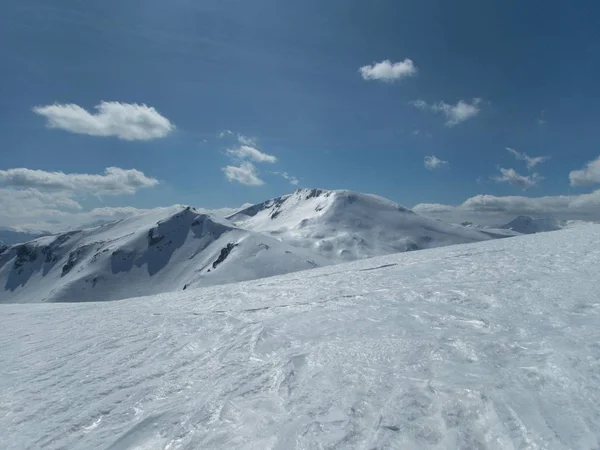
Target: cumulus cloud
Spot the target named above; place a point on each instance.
(531, 162)
(433, 162)
(114, 180)
(248, 152)
(243, 153)
(486, 209)
(590, 174)
(52, 199)
(23, 202)
(124, 120)
(36, 210)
(245, 174)
(455, 114)
(511, 176)
(388, 71)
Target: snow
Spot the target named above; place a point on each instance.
(345, 225)
(492, 345)
(163, 250)
(176, 248)
(529, 225)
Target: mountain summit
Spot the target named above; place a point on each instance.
(167, 249)
(529, 225)
(344, 225)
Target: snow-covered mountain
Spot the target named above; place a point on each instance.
(487, 346)
(529, 225)
(497, 232)
(344, 225)
(167, 249)
(170, 249)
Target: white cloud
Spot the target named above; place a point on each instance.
(432, 208)
(541, 120)
(244, 174)
(246, 140)
(242, 139)
(247, 152)
(490, 209)
(432, 162)
(52, 199)
(420, 104)
(225, 133)
(388, 71)
(114, 180)
(455, 114)
(124, 120)
(531, 162)
(51, 211)
(22, 202)
(511, 176)
(292, 179)
(590, 174)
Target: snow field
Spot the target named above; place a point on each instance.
(492, 345)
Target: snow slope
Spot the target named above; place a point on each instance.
(529, 225)
(496, 232)
(493, 345)
(170, 249)
(167, 249)
(346, 225)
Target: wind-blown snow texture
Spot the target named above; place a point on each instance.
(493, 345)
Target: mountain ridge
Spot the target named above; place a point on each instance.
(181, 247)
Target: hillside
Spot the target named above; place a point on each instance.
(346, 225)
(167, 249)
(170, 249)
(490, 346)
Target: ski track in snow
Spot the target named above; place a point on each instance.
(493, 345)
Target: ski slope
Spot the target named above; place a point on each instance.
(493, 345)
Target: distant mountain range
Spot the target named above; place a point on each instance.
(176, 248)
(9, 236)
(529, 225)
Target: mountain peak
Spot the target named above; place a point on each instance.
(528, 225)
(344, 225)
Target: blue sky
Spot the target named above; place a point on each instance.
(250, 100)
